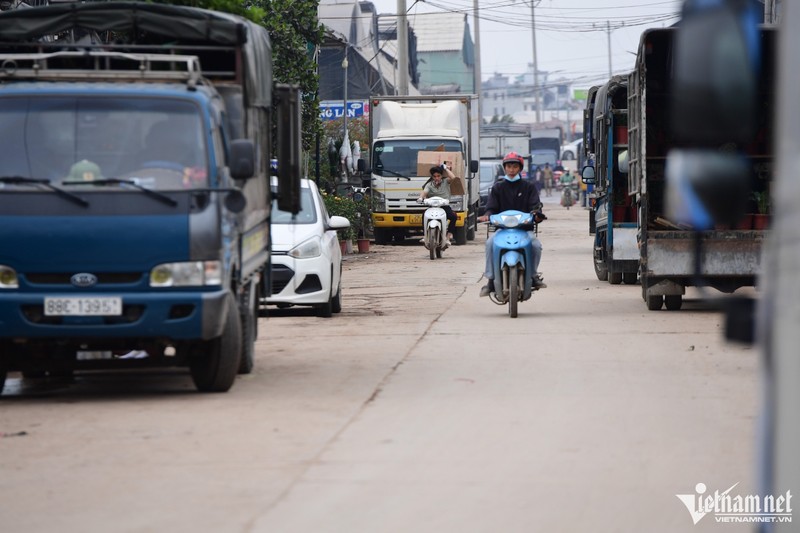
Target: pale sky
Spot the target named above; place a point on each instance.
(571, 36)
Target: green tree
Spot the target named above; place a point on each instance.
(295, 32)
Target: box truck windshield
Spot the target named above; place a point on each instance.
(399, 158)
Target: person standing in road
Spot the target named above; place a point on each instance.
(511, 192)
(547, 175)
(439, 185)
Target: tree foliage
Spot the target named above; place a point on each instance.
(295, 32)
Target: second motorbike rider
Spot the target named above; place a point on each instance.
(509, 193)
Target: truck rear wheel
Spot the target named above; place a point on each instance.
(471, 232)
(673, 302)
(461, 235)
(3, 372)
(629, 278)
(615, 278)
(654, 302)
(215, 365)
(249, 316)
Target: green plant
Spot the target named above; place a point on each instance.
(762, 201)
(343, 206)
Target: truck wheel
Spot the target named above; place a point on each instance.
(513, 291)
(600, 270)
(615, 278)
(629, 278)
(3, 372)
(381, 236)
(654, 302)
(471, 232)
(673, 302)
(461, 235)
(215, 364)
(249, 316)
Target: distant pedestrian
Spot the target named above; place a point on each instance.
(547, 175)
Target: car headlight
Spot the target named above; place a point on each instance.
(8, 278)
(307, 249)
(186, 274)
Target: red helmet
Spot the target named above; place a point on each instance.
(514, 157)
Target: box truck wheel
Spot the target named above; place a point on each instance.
(3, 371)
(215, 364)
(381, 235)
(461, 234)
(248, 309)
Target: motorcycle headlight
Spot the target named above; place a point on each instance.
(511, 221)
(186, 274)
(307, 249)
(8, 278)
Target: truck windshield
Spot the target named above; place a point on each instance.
(399, 158)
(540, 158)
(156, 143)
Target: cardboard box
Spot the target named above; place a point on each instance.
(455, 162)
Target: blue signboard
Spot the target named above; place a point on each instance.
(331, 110)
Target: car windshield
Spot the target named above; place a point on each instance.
(157, 143)
(399, 158)
(307, 214)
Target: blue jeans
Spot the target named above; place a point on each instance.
(537, 255)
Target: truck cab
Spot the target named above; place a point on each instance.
(134, 193)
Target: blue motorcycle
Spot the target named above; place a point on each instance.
(512, 253)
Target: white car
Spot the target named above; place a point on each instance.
(306, 255)
(571, 150)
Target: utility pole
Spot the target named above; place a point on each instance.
(535, 64)
(608, 31)
(477, 65)
(402, 49)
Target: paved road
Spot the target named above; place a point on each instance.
(422, 407)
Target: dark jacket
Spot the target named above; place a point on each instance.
(520, 195)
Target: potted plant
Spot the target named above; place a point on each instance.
(761, 219)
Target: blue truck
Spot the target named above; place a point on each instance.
(135, 145)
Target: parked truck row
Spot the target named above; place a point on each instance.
(627, 140)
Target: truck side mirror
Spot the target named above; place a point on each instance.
(290, 142)
(242, 159)
(587, 175)
(361, 165)
(622, 162)
(474, 166)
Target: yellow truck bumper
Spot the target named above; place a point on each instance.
(406, 220)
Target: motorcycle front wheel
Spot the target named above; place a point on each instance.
(513, 290)
(433, 238)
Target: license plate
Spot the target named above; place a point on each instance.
(83, 306)
(415, 219)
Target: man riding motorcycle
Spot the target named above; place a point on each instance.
(509, 193)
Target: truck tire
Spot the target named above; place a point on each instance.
(381, 235)
(673, 302)
(249, 316)
(615, 278)
(629, 278)
(600, 270)
(461, 235)
(215, 365)
(654, 302)
(3, 372)
(471, 230)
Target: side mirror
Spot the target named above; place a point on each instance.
(235, 201)
(622, 161)
(474, 166)
(361, 165)
(338, 222)
(290, 143)
(587, 175)
(242, 159)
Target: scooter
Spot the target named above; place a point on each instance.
(434, 223)
(512, 254)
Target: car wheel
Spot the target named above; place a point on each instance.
(326, 310)
(337, 300)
